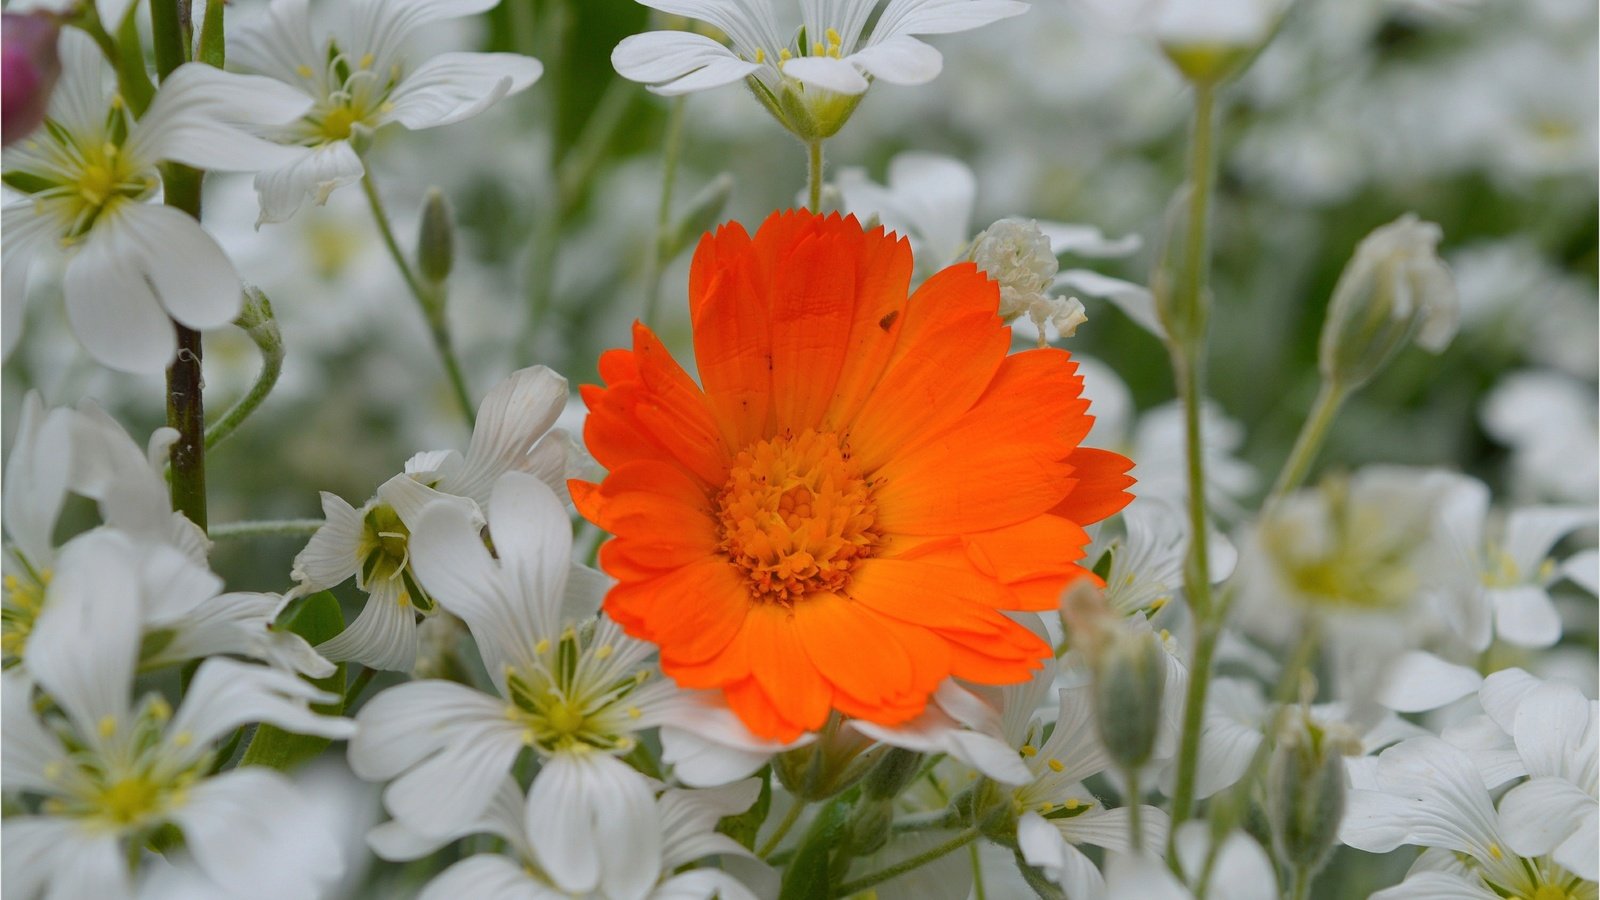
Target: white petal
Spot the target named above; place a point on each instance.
(1583, 569)
(703, 884)
(36, 478)
(1525, 617)
(689, 821)
(1087, 240)
(113, 311)
(1502, 694)
(29, 750)
(85, 643)
(61, 860)
(454, 86)
(1142, 876)
(899, 60)
(173, 586)
(484, 877)
(1436, 886)
(827, 73)
(202, 293)
(1554, 733)
(243, 825)
(1136, 302)
(226, 693)
(383, 635)
(511, 419)
(942, 16)
(278, 43)
(404, 724)
(935, 732)
(1040, 843)
(584, 805)
(661, 57)
(1420, 681)
(1112, 829)
(1226, 749)
(200, 117)
(1426, 792)
(333, 553)
(1577, 852)
(317, 174)
(27, 234)
(707, 745)
(1531, 532)
(533, 537)
(395, 841)
(1538, 815)
(452, 788)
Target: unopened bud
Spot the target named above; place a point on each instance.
(436, 238)
(869, 826)
(1130, 679)
(1394, 290)
(256, 318)
(1306, 790)
(1177, 283)
(823, 768)
(893, 773)
(30, 69)
(1210, 41)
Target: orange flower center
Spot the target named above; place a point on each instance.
(796, 516)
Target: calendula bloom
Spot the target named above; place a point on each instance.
(811, 78)
(88, 176)
(362, 77)
(837, 518)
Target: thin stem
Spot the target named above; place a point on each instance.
(789, 818)
(978, 892)
(906, 865)
(358, 686)
(939, 820)
(1302, 883)
(669, 172)
(1188, 357)
(429, 301)
(187, 414)
(1135, 808)
(266, 528)
(271, 368)
(1313, 433)
(814, 175)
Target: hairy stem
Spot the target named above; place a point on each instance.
(429, 301)
(814, 174)
(669, 174)
(906, 865)
(784, 825)
(271, 368)
(1330, 397)
(266, 528)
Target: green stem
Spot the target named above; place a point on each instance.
(1302, 883)
(133, 82)
(1188, 358)
(169, 28)
(266, 528)
(186, 413)
(814, 174)
(940, 820)
(669, 173)
(1135, 809)
(784, 825)
(907, 865)
(359, 686)
(271, 368)
(1313, 433)
(429, 301)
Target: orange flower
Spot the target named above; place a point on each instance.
(837, 518)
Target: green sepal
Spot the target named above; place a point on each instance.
(317, 619)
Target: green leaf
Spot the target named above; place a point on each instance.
(317, 619)
(817, 866)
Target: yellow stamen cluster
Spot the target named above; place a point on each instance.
(796, 516)
(24, 600)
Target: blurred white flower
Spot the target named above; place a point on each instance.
(573, 687)
(686, 821)
(88, 175)
(707, 745)
(1504, 572)
(360, 77)
(373, 543)
(811, 81)
(1495, 280)
(113, 773)
(1426, 792)
(1548, 419)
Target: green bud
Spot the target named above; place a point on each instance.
(869, 826)
(1209, 41)
(1181, 305)
(256, 319)
(1394, 290)
(1306, 791)
(894, 772)
(836, 760)
(1130, 678)
(436, 238)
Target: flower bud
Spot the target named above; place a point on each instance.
(823, 768)
(30, 68)
(1394, 290)
(1210, 41)
(1181, 306)
(1130, 677)
(1306, 790)
(869, 826)
(436, 238)
(893, 773)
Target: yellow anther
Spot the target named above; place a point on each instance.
(784, 55)
(603, 651)
(1072, 803)
(761, 55)
(833, 37)
(818, 50)
(634, 713)
(1055, 765)
(303, 70)
(366, 61)
(183, 738)
(160, 709)
(52, 770)
(1029, 750)
(542, 647)
(107, 726)
(1046, 806)
(1165, 635)
(1494, 851)
(1158, 603)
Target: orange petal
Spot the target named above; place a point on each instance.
(800, 693)
(812, 304)
(883, 278)
(692, 613)
(847, 644)
(733, 351)
(1101, 486)
(758, 712)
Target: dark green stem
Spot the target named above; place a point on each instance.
(669, 171)
(907, 865)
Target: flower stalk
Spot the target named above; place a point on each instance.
(266, 528)
(906, 865)
(671, 150)
(814, 175)
(429, 300)
(258, 323)
(1313, 433)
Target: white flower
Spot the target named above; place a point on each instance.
(685, 819)
(572, 687)
(372, 543)
(1241, 870)
(812, 78)
(361, 77)
(111, 773)
(1552, 728)
(1504, 574)
(1017, 254)
(90, 173)
(1547, 418)
(1426, 792)
(707, 745)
